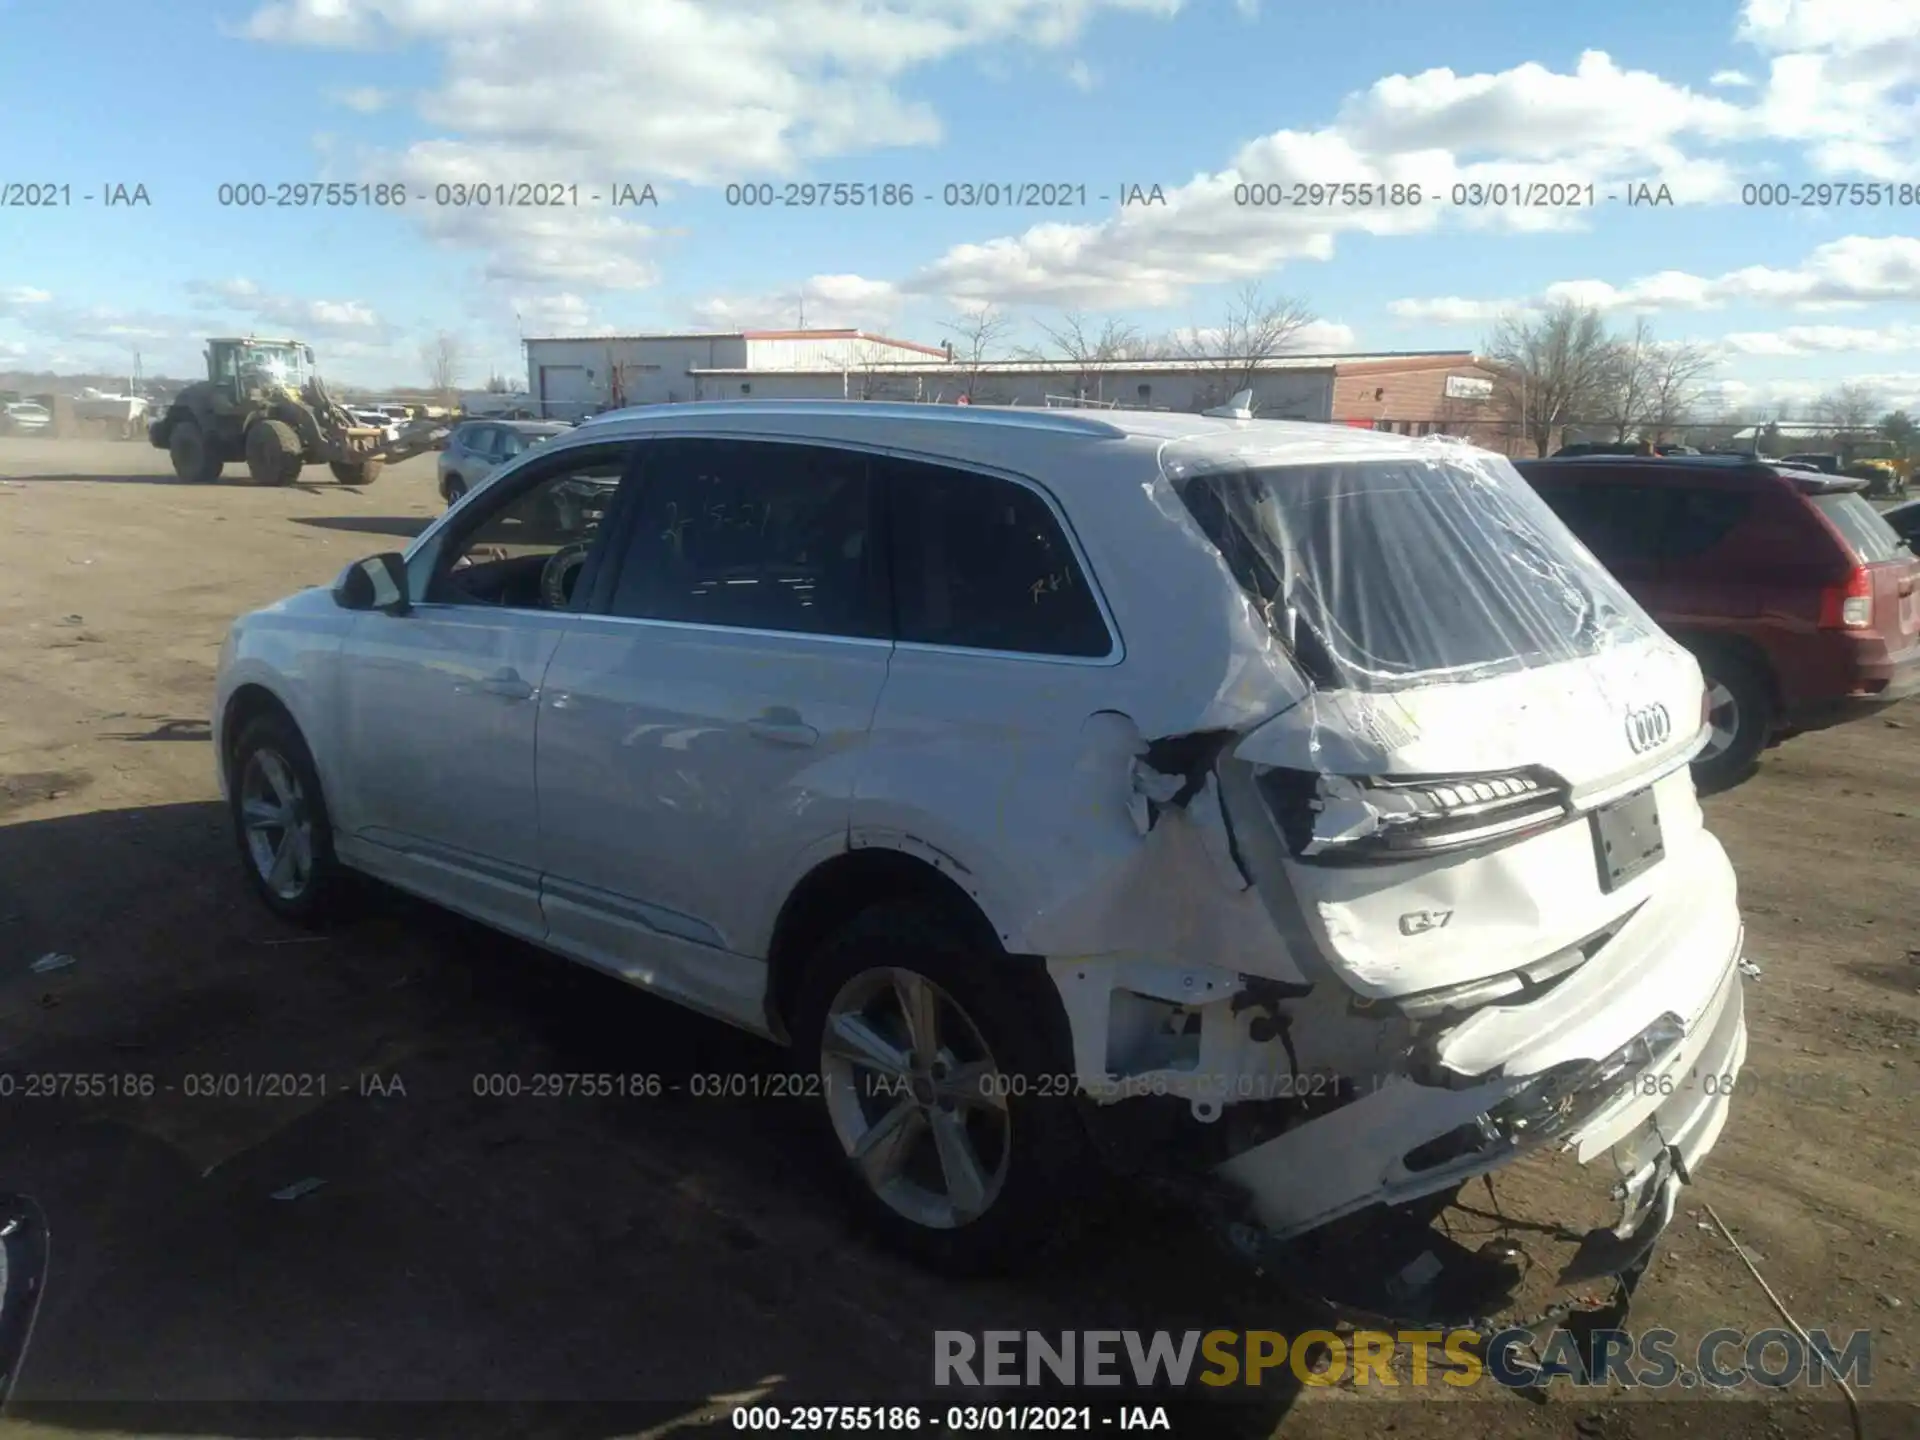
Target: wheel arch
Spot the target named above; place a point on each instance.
(838, 889)
(1740, 649)
(248, 702)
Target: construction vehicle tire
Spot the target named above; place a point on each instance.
(273, 453)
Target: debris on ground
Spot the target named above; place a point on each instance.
(1749, 969)
(52, 960)
(299, 1188)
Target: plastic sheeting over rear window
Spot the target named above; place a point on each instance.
(1381, 573)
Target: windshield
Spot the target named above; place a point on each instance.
(281, 362)
(1870, 538)
(1387, 573)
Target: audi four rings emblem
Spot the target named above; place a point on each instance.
(1648, 727)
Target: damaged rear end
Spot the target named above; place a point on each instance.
(1447, 902)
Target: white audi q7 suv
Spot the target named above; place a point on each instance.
(1296, 810)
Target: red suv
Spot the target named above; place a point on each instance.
(1795, 595)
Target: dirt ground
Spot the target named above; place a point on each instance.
(468, 1261)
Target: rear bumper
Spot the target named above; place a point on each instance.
(1632, 1059)
(1876, 684)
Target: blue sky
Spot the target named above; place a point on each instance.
(1196, 96)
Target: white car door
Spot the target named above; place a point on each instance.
(699, 739)
(439, 704)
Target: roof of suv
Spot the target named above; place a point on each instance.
(1680, 467)
(1277, 440)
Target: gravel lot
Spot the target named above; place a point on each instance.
(673, 1250)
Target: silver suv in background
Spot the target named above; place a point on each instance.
(479, 447)
(1297, 815)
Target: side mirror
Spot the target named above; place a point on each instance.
(376, 583)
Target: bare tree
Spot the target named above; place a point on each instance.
(978, 336)
(1657, 384)
(444, 360)
(1074, 340)
(1554, 369)
(874, 371)
(1257, 328)
(1848, 407)
(1621, 399)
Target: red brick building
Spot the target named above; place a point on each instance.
(1447, 393)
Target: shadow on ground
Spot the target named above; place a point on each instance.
(237, 480)
(482, 1256)
(405, 526)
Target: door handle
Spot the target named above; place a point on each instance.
(507, 684)
(783, 732)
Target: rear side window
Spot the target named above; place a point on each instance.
(755, 534)
(1869, 537)
(982, 563)
(1619, 523)
(1699, 519)
(1625, 523)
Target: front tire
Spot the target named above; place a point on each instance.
(273, 453)
(947, 1091)
(454, 489)
(281, 824)
(1740, 717)
(193, 459)
(356, 472)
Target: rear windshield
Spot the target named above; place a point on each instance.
(1869, 537)
(1390, 573)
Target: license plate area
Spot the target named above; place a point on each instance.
(1626, 839)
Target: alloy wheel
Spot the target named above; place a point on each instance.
(1723, 720)
(278, 823)
(916, 1098)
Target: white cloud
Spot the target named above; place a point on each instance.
(1431, 130)
(1842, 76)
(829, 301)
(1825, 340)
(561, 314)
(1451, 310)
(699, 91)
(1080, 75)
(340, 318)
(704, 91)
(1840, 275)
(17, 298)
(1893, 390)
(365, 99)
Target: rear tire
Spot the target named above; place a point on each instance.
(1740, 712)
(273, 453)
(455, 488)
(356, 472)
(972, 1147)
(193, 459)
(281, 824)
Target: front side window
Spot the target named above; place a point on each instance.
(758, 535)
(528, 547)
(1388, 573)
(982, 564)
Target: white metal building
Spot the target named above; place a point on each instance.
(571, 377)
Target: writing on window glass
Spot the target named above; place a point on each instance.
(740, 517)
(1047, 584)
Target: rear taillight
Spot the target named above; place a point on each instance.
(1334, 819)
(1848, 606)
